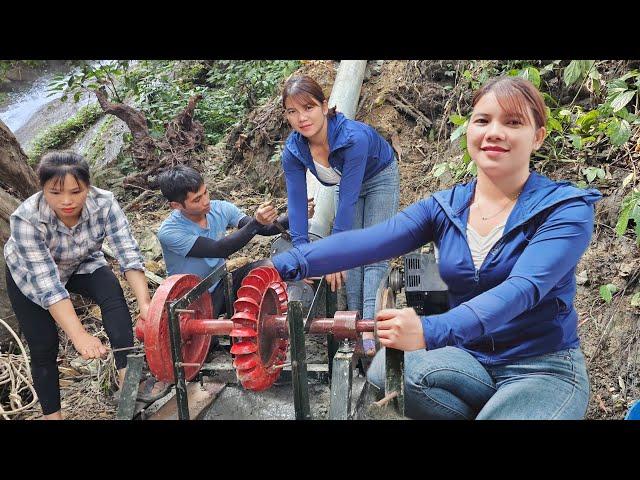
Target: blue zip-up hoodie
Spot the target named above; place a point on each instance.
(518, 304)
(356, 150)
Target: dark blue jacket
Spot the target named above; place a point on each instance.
(356, 150)
(519, 303)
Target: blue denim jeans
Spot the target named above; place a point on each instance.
(450, 384)
(378, 201)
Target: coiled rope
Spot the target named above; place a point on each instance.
(15, 372)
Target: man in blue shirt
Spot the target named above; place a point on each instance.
(193, 237)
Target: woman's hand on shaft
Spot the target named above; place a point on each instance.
(400, 329)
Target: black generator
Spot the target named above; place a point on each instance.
(425, 291)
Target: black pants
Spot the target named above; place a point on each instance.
(40, 329)
(218, 296)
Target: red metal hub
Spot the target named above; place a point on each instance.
(155, 329)
(258, 352)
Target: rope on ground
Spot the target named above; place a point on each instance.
(15, 372)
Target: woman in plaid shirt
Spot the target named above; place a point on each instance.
(54, 248)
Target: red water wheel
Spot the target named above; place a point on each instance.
(155, 329)
(258, 351)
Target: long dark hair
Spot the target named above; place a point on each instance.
(58, 164)
(303, 89)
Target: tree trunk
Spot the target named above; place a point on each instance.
(14, 167)
(144, 147)
(183, 137)
(19, 176)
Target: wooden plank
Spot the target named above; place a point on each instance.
(199, 399)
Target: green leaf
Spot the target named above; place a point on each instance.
(547, 68)
(632, 73)
(553, 124)
(457, 119)
(617, 86)
(629, 204)
(472, 168)
(607, 291)
(576, 140)
(586, 120)
(622, 99)
(549, 99)
(635, 300)
(572, 72)
(533, 75)
(587, 66)
(627, 179)
(439, 169)
(618, 131)
(458, 132)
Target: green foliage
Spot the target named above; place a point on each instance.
(162, 88)
(599, 128)
(89, 76)
(635, 300)
(60, 134)
(228, 88)
(277, 154)
(579, 70)
(630, 211)
(592, 172)
(7, 65)
(607, 291)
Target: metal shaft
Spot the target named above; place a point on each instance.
(276, 327)
(329, 326)
(207, 326)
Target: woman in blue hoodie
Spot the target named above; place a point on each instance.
(509, 244)
(350, 155)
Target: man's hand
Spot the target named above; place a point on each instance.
(266, 213)
(400, 329)
(311, 207)
(336, 280)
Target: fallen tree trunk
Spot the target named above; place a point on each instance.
(183, 137)
(15, 170)
(144, 147)
(16, 174)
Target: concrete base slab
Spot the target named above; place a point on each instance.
(276, 403)
(199, 397)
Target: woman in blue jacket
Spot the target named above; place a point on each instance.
(509, 244)
(350, 155)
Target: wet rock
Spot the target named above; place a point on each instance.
(582, 278)
(625, 269)
(81, 365)
(150, 246)
(155, 267)
(237, 262)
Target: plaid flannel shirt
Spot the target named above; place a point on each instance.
(42, 252)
